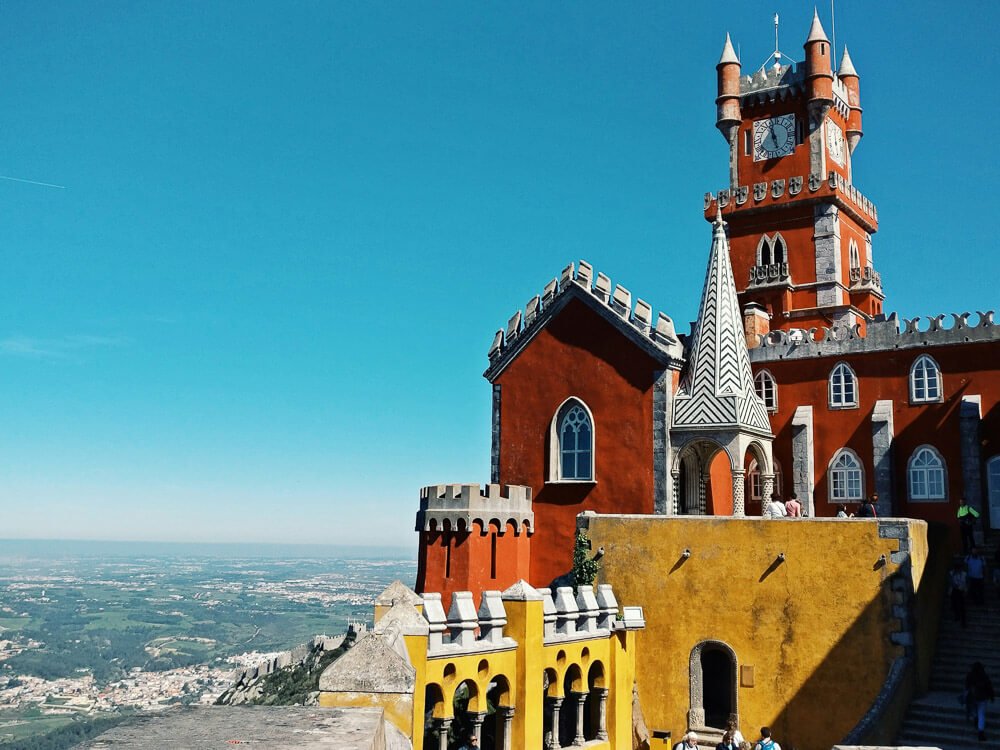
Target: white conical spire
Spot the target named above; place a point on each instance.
(846, 65)
(728, 53)
(816, 33)
(717, 390)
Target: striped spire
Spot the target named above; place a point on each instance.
(717, 389)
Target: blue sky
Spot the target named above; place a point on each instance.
(260, 308)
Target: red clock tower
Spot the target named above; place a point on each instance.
(800, 232)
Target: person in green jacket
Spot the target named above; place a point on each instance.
(967, 516)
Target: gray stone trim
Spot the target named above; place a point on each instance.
(495, 444)
(826, 237)
(803, 466)
(883, 433)
(662, 398)
(970, 416)
(881, 335)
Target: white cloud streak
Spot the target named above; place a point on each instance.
(64, 348)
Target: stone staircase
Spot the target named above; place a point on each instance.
(937, 719)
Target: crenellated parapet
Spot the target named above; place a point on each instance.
(880, 335)
(776, 192)
(634, 317)
(457, 507)
(567, 617)
(781, 82)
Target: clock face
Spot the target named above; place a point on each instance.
(774, 137)
(835, 142)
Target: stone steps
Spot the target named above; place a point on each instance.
(938, 719)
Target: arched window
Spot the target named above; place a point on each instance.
(847, 479)
(925, 380)
(925, 474)
(764, 251)
(767, 389)
(756, 482)
(855, 257)
(778, 251)
(572, 443)
(843, 387)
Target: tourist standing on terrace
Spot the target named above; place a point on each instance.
(979, 690)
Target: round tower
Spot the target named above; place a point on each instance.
(727, 103)
(819, 70)
(849, 77)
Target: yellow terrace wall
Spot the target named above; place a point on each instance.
(811, 634)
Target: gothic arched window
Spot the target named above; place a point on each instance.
(572, 443)
(925, 474)
(764, 251)
(778, 250)
(843, 387)
(767, 389)
(855, 257)
(847, 479)
(925, 380)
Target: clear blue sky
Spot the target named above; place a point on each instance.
(261, 307)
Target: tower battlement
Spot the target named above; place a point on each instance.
(458, 506)
(776, 192)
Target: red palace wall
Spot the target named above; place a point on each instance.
(577, 354)
(967, 369)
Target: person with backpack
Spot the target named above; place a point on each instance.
(765, 742)
(967, 516)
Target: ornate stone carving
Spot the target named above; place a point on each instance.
(777, 188)
(794, 185)
(742, 192)
(759, 191)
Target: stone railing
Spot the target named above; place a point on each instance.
(879, 335)
(619, 299)
(770, 273)
(458, 506)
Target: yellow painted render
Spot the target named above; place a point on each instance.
(398, 707)
(814, 628)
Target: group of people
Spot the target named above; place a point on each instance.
(732, 740)
(790, 508)
(865, 510)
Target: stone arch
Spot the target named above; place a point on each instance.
(709, 700)
(694, 485)
(496, 727)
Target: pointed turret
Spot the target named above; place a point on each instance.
(846, 65)
(816, 32)
(849, 77)
(819, 70)
(727, 103)
(717, 392)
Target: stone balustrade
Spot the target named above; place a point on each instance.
(770, 273)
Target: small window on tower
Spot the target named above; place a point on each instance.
(855, 258)
(800, 132)
(747, 142)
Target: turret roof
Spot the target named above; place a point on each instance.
(728, 53)
(816, 33)
(717, 390)
(846, 65)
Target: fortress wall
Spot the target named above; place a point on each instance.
(814, 636)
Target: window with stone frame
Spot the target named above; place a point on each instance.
(925, 380)
(572, 447)
(926, 475)
(847, 478)
(843, 387)
(767, 389)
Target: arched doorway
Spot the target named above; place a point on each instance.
(713, 686)
(718, 673)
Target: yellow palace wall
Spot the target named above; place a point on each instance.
(811, 634)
